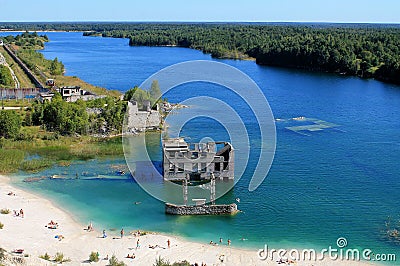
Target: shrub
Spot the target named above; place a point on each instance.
(2, 254)
(4, 211)
(1, 225)
(45, 256)
(10, 124)
(162, 262)
(59, 258)
(113, 261)
(94, 257)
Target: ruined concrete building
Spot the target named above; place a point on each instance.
(143, 118)
(197, 160)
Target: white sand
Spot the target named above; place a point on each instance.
(29, 233)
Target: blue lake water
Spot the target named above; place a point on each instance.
(337, 182)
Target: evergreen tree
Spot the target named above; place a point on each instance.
(155, 92)
(10, 124)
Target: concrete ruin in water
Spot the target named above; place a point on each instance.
(196, 163)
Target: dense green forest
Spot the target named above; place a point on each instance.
(77, 118)
(364, 50)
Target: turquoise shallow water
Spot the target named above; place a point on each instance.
(338, 182)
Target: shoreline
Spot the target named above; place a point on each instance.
(31, 234)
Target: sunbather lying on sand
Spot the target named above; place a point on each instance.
(18, 251)
(130, 257)
(156, 246)
(52, 225)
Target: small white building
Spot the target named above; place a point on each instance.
(74, 93)
(71, 91)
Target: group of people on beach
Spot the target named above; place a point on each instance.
(19, 213)
(52, 225)
(220, 242)
(136, 234)
(285, 261)
(131, 256)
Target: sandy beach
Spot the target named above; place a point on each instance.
(31, 233)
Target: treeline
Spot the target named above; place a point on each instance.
(103, 116)
(100, 116)
(127, 26)
(362, 51)
(66, 26)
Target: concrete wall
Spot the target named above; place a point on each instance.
(21, 93)
(201, 210)
(140, 120)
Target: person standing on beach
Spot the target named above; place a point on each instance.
(90, 227)
(21, 213)
(169, 243)
(138, 244)
(229, 242)
(104, 234)
(122, 233)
